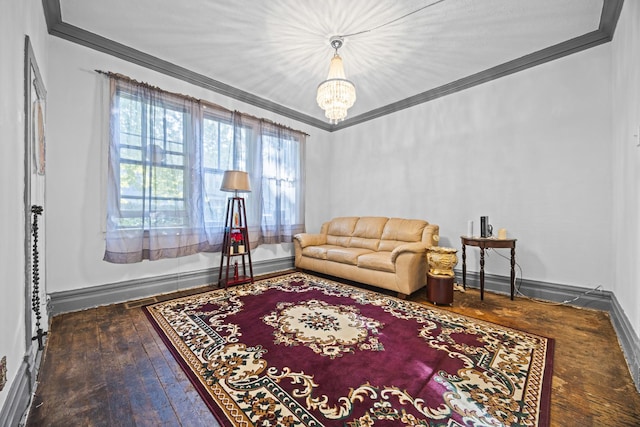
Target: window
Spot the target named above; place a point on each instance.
(167, 156)
(222, 151)
(153, 182)
(281, 178)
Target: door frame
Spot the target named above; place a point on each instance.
(34, 90)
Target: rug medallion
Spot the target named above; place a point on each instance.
(298, 350)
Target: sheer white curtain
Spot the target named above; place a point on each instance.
(281, 186)
(167, 155)
(154, 193)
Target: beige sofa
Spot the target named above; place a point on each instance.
(389, 253)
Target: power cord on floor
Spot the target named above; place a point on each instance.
(518, 285)
(518, 292)
(582, 294)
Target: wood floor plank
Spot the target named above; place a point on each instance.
(186, 401)
(108, 367)
(117, 396)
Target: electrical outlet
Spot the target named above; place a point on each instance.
(3, 372)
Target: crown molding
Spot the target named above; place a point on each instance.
(611, 10)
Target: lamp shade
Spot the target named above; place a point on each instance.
(235, 181)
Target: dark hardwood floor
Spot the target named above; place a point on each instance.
(107, 366)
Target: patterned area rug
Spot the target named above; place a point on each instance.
(298, 350)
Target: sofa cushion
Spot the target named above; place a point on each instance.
(343, 226)
(340, 230)
(389, 245)
(377, 261)
(319, 252)
(406, 230)
(361, 242)
(370, 227)
(367, 232)
(342, 241)
(346, 255)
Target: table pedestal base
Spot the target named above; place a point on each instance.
(440, 289)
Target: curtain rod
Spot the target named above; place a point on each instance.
(201, 101)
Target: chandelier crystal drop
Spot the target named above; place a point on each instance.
(336, 94)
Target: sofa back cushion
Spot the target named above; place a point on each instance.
(373, 232)
(340, 230)
(398, 231)
(367, 232)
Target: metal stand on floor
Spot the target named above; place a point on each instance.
(35, 293)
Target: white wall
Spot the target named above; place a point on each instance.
(76, 183)
(626, 161)
(531, 150)
(16, 20)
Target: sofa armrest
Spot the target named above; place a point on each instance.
(307, 239)
(412, 248)
(431, 235)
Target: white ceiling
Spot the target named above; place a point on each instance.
(277, 52)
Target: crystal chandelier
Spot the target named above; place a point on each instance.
(336, 94)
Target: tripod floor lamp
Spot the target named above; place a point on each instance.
(235, 244)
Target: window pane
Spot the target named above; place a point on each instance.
(130, 153)
(131, 179)
(152, 160)
(174, 124)
(210, 144)
(168, 182)
(130, 114)
(174, 159)
(217, 139)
